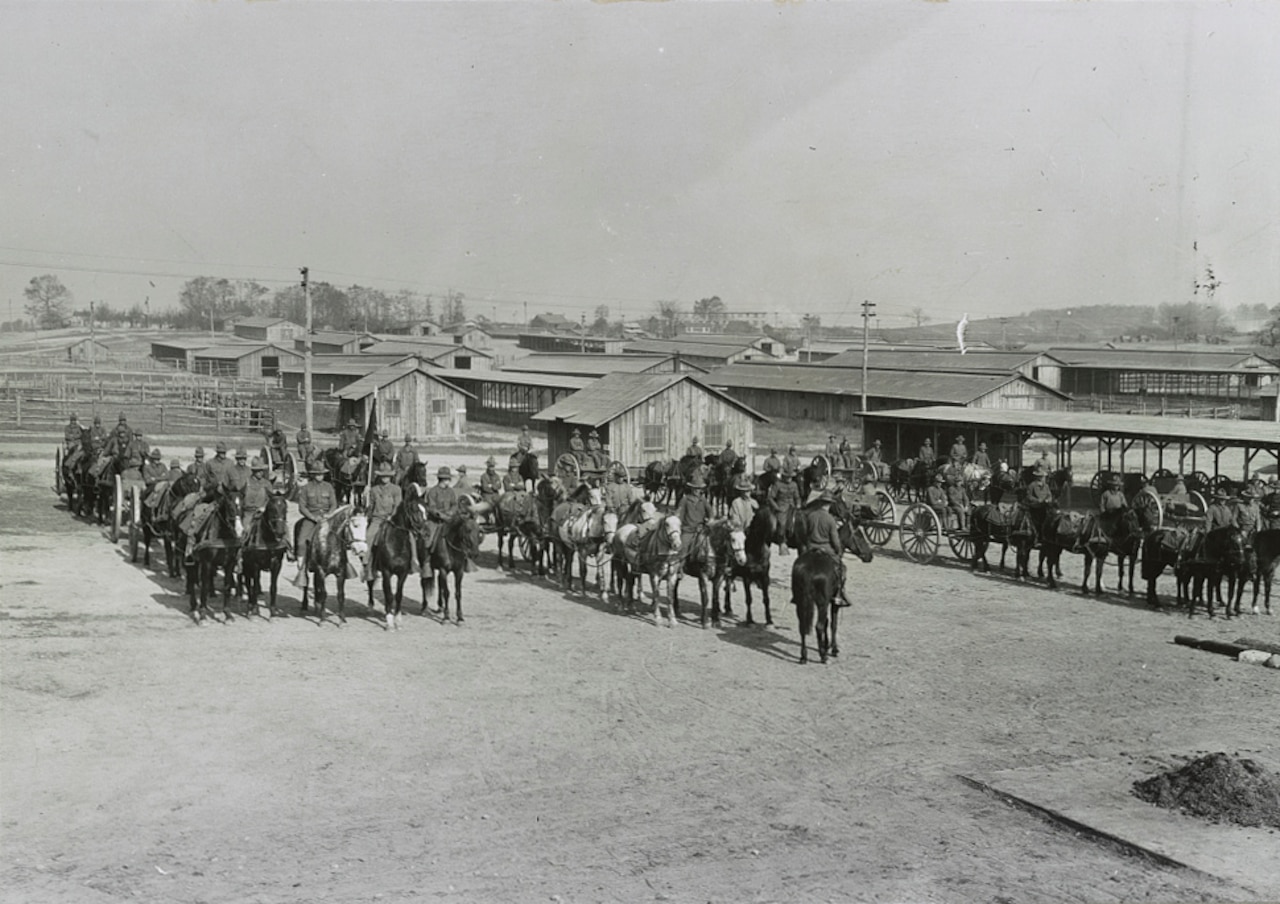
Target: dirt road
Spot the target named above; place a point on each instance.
(553, 750)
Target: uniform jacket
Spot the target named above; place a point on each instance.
(383, 499)
(791, 461)
(576, 445)
(303, 439)
(936, 497)
(1248, 515)
(959, 452)
(256, 494)
(350, 440)
(153, 472)
(1219, 515)
(406, 458)
(316, 500)
(524, 443)
(238, 476)
(957, 496)
(490, 483)
(1112, 501)
(784, 495)
(384, 450)
(512, 484)
(695, 449)
(927, 454)
(741, 511)
(1038, 493)
(70, 434)
(727, 458)
(441, 502)
(118, 441)
(772, 463)
(617, 497)
(822, 531)
(982, 460)
(832, 449)
(214, 474)
(693, 511)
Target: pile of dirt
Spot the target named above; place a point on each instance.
(1219, 788)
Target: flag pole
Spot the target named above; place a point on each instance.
(372, 432)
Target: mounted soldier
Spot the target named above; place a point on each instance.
(349, 440)
(213, 475)
(256, 493)
(784, 497)
(441, 502)
(693, 510)
(406, 458)
(822, 533)
(927, 455)
(959, 453)
(305, 449)
(316, 500)
(98, 432)
(728, 458)
(980, 458)
(618, 493)
(119, 439)
(743, 508)
(279, 444)
(1219, 513)
(772, 463)
(791, 460)
(238, 474)
(154, 477)
(524, 442)
(138, 449)
(196, 468)
(384, 451)
(1248, 514)
(384, 499)
(1039, 498)
(695, 449)
(490, 482)
(71, 435)
(463, 486)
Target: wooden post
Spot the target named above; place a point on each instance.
(217, 418)
(162, 419)
(18, 408)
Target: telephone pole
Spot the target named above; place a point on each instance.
(867, 313)
(93, 346)
(1004, 335)
(306, 354)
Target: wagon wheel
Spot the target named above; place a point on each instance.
(568, 464)
(526, 550)
(1222, 482)
(615, 466)
(1147, 503)
(265, 454)
(1163, 472)
(961, 542)
(1095, 485)
(1199, 502)
(135, 519)
(58, 485)
(880, 530)
(117, 511)
(920, 533)
(1198, 480)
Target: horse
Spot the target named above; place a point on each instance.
(1087, 534)
(1166, 548)
(517, 515)
(526, 465)
(1266, 554)
(103, 483)
(815, 584)
(339, 536)
(454, 552)
(656, 553)
(415, 475)
(160, 523)
(347, 487)
(1013, 527)
(1221, 552)
(216, 546)
(586, 532)
(813, 476)
(392, 554)
(761, 533)
(720, 481)
(708, 554)
(1058, 479)
(263, 550)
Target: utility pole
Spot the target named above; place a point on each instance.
(583, 334)
(867, 314)
(306, 354)
(93, 346)
(1004, 334)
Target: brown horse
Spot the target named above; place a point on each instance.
(816, 583)
(454, 553)
(217, 545)
(339, 536)
(264, 547)
(761, 532)
(392, 555)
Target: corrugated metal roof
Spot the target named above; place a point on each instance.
(952, 388)
(1089, 423)
(1163, 360)
(589, 364)
(344, 365)
(428, 350)
(331, 337)
(617, 394)
(682, 347)
(509, 378)
(262, 321)
(389, 374)
(938, 360)
(192, 344)
(236, 352)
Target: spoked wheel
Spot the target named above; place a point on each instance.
(265, 454)
(58, 486)
(920, 533)
(1095, 485)
(618, 466)
(567, 465)
(1198, 500)
(961, 543)
(526, 550)
(1147, 503)
(135, 518)
(1222, 482)
(1198, 481)
(880, 530)
(117, 511)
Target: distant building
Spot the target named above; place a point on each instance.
(551, 322)
(334, 342)
(268, 329)
(599, 365)
(438, 350)
(412, 399)
(570, 342)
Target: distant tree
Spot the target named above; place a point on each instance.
(710, 310)
(205, 299)
(453, 310)
(48, 301)
(669, 317)
(918, 314)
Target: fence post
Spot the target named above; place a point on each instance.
(217, 418)
(18, 408)
(162, 419)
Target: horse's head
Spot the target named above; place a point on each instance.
(355, 535)
(854, 539)
(670, 529)
(465, 531)
(275, 517)
(738, 546)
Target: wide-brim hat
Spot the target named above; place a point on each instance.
(939, 477)
(241, 453)
(696, 482)
(819, 497)
(351, 422)
(384, 470)
(788, 471)
(1038, 471)
(257, 464)
(317, 466)
(444, 472)
(408, 438)
(175, 463)
(490, 462)
(220, 447)
(155, 453)
(1249, 493)
(1115, 480)
(199, 453)
(742, 484)
(1218, 494)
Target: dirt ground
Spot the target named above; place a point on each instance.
(551, 749)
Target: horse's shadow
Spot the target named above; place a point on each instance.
(766, 641)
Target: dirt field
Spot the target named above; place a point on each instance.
(552, 750)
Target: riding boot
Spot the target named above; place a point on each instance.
(842, 600)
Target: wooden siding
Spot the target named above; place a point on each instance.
(415, 393)
(249, 366)
(685, 409)
(1020, 397)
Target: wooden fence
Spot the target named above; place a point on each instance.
(1165, 407)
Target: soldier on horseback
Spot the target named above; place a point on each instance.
(981, 458)
(784, 496)
(1219, 513)
(490, 482)
(118, 441)
(822, 534)
(772, 463)
(728, 458)
(305, 449)
(618, 494)
(238, 474)
(441, 502)
(1039, 498)
(406, 458)
(577, 447)
(743, 508)
(279, 444)
(1248, 515)
(384, 499)
(791, 460)
(384, 451)
(315, 502)
(349, 439)
(196, 468)
(71, 436)
(693, 510)
(153, 472)
(695, 449)
(97, 432)
(256, 493)
(927, 455)
(524, 442)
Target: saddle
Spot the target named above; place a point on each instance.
(158, 495)
(96, 469)
(1006, 514)
(577, 528)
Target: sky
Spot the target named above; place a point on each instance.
(962, 157)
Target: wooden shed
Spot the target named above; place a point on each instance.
(251, 361)
(439, 351)
(648, 417)
(412, 400)
(268, 329)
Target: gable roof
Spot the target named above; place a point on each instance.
(940, 360)
(590, 364)
(688, 347)
(616, 394)
(429, 349)
(385, 376)
(236, 352)
(259, 321)
(1162, 359)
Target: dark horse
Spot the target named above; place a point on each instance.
(263, 550)
(392, 555)
(1090, 536)
(526, 465)
(720, 484)
(217, 545)
(1266, 554)
(518, 516)
(708, 553)
(761, 532)
(1167, 548)
(1221, 552)
(453, 553)
(1013, 527)
(661, 478)
(157, 521)
(815, 584)
(346, 487)
(341, 532)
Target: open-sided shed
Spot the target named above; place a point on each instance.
(647, 417)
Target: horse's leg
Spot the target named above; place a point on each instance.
(277, 562)
(319, 597)
(458, 573)
(764, 595)
(824, 607)
(653, 586)
(442, 593)
(835, 621)
(400, 579)
(674, 611)
(388, 601)
(341, 580)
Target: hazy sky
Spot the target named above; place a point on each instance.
(960, 157)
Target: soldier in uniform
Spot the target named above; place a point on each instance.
(832, 450)
(462, 486)
(772, 463)
(981, 458)
(98, 432)
(175, 471)
(595, 452)
(490, 482)
(926, 452)
(524, 442)
(936, 496)
(303, 439)
(512, 482)
(279, 444)
(847, 458)
(384, 498)
(238, 474)
(695, 449)
(1248, 515)
(256, 493)
(791, 460)
(196, 468)
(139, 448)
(118, 441)
(1039, 497)
(743, 508)
(784, 496)
(349, 439)
(875, 457)
(728, 457)
(1219, 513)
(406, 458)
(618, 493)
(958, 501)
(154, 474)
(577, 447)
(70, 436)
(384, 450)
(693, 510)
(213, 476)
(441, 503)
(959, 452)
(822, 533)
(315, 501)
